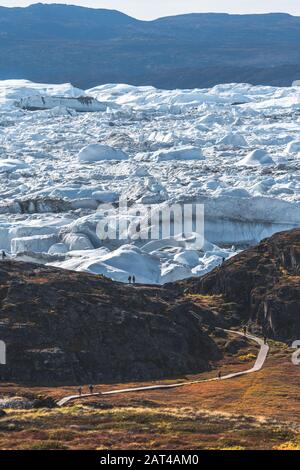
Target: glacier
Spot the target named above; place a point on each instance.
(65, 152)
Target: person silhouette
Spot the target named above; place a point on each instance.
(80, 391)
(133, 279)
(3, 255)
(91, 389)
(129, 279)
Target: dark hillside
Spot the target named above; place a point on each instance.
(58, 43)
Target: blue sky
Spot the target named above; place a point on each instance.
(149, 9)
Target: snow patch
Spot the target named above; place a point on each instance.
(11, 165)
(97, 152)
(255, 158)
(182, 153)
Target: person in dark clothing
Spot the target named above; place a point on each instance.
(79, 391)
(3, 255)
(91, 389)
(129, 279)
(219, 375)
(133, 279)
(265, 340)
(245, 330)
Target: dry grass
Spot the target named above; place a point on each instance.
(258, 411)
(140, 427)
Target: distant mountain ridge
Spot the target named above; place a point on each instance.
(57, 21)
(59, 43)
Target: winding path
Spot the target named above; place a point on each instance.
(260, 360)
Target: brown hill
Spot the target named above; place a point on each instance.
(65, 327)
(260, 286)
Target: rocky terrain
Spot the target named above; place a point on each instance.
(64, 327)
(262, 284)
(256, 411)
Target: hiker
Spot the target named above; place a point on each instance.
(223, 260)
(4, 255)
(129, 279)
(265, 340)
(80, 391)
(91, 389)
(219, 375)
(133, 279)
(245, 330)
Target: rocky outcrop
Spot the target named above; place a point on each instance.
(262, 283)
(63, 327)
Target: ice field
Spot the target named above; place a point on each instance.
(65, 152)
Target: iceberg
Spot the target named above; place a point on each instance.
(233, 148)
(97, 152)
(255, 158)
